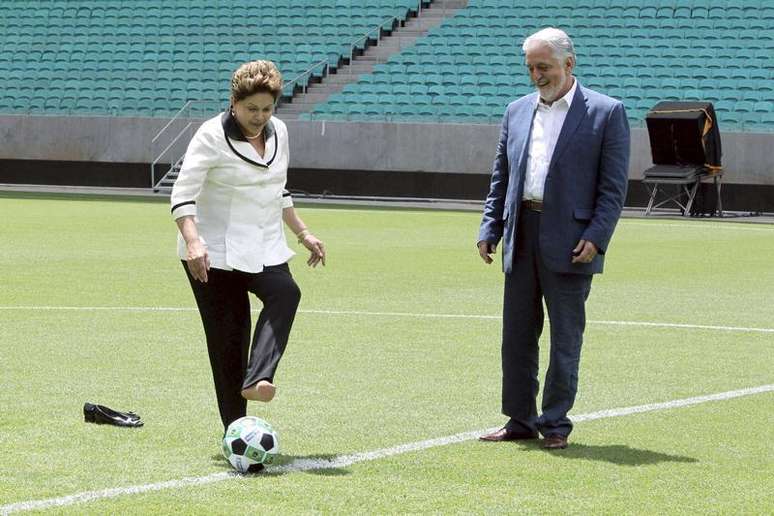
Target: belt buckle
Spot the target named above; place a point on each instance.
(534, 205)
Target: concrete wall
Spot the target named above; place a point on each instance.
(410, 147)
(97, 138)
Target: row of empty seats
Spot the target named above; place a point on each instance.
(477, 54)
(99, 49)
(148, 58)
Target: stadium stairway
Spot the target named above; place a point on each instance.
(467, 69)
(390, 44)
(148, 58)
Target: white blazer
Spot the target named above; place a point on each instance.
(235, 195)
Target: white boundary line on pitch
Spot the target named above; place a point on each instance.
(708, 225)
(343, 461)
(393, 314)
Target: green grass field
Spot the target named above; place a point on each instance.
(371, 365)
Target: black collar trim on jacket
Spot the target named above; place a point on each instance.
(231, 131)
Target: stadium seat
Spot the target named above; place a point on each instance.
(129, 39)
(638, 52)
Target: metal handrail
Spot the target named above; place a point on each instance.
(364, 38)
(182, 114)
(352, 47)
(308, 72)
(158, 158)
(187, 126)
(326, 64)
(187, 105)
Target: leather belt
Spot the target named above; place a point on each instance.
(533, 205)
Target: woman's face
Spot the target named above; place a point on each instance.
(253, 112)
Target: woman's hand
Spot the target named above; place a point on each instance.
(305, 238)
(198, 260)
(316, 247)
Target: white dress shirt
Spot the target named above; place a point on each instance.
(546, 127)
(235, 195)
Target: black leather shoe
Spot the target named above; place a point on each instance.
(506, 434)
(555, 442)
(103, 415)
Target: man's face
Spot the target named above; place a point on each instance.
(551, 76)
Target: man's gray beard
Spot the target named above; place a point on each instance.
(554, 91)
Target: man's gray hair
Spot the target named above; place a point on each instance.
(557, 39)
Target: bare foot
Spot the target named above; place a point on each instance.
(261, 391)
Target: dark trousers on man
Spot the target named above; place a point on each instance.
(224, 306)
(565, 296)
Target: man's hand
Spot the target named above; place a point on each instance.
(584, 252)
(485, 249)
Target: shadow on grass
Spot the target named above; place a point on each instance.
(320, 464)
(613, 453)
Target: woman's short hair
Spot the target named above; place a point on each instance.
(256, 77)
(557, 39)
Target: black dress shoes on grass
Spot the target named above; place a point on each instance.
(555, 442)
(505, 434)
(103, 415)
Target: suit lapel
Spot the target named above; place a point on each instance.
(528, 111)
(574, 117)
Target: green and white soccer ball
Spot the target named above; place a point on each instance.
(249, 443)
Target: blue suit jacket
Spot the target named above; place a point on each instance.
(585, 187)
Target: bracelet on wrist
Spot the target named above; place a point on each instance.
(301, 235)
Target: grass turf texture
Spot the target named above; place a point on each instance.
(357, 382)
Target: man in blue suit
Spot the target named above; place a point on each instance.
(558, 186)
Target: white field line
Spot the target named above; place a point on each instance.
(618, 323)
(343, 461)
(743, 329)
(741, 226)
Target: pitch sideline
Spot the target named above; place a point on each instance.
(348, 460)
(654, 324)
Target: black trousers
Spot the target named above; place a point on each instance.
(224, 306)
(565, 295)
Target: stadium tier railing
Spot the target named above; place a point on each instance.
(392, 21)
(171, 155)
(302, 79)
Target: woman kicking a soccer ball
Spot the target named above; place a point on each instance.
(229, 203)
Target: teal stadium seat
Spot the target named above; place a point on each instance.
(653, 56)
(157, 42)
(114, 58)
(766, 120)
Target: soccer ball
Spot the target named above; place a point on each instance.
(249, 443)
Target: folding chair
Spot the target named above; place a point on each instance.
(686, 150)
